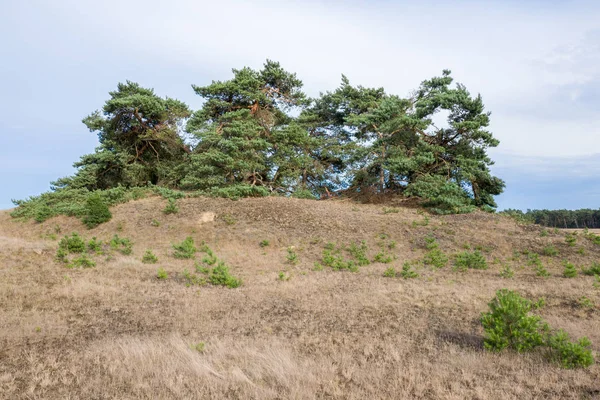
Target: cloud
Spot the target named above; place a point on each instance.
(549, 182)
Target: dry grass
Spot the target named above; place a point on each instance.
(115, 331)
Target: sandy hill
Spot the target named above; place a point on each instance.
(292, 330)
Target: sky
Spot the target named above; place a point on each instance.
(536, 64)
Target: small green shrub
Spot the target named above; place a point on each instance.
(155, 223)
(570, 354)
(171, 207)
(149, 257)
(185, 249)
(544, 233)
(43, 213)
(282, 276)
(593, 270)
(72, 244)
(359, 252)
(318, 266)
(383, 257)
(424, 222)
(122, 245)
(570, 271)
(596, 283)
(61, 255)
(333, 259)
(229, 219)
(193, 279)
(541, 271)
(550, 251)
(509, 324)
(407, 272)
(507, 272)
(264, 243)
(292, 256)
(470, 260)
(82, 262)
(533, 259)
(435, 258)
(97, 211)
(390, 272)
(210, 258)
(571, 239)
(586, 302)
(161, 274)
(220, 276)
(431, 243)
(199, 347)
(390, 210)
(95, 245)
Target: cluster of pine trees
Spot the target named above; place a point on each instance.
(259, 134)
(575, 219)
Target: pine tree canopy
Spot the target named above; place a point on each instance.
(258, 134)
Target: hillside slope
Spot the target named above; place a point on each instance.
(116, 331)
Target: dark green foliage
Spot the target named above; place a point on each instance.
(407, 272)
(550, 251)
(573, 219)
(257, 134)
(571, 239)
(82, 262)
(292, 256)
(122, 245)
(185, 249)
(220, 276)
(171, 207)
(435, 256)
(383, 257)
(570, 271)
(73, 202)
(541, 271)
(570, 354)
(509, 323)
(72, 244)
(470, 260)
(42, 213)
(359, 252)
(332, 258)
(96, 211)
(593, 270)
(95, 245)
(264, 243)
(161, 274)
(139, 140)
(149, 257)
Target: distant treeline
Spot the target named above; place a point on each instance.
(584, 218)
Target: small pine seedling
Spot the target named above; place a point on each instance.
(507, 272)
(570, 271)
(171, 207)
(390, 272)
(407, 272)
(149, 257)
(161, 274)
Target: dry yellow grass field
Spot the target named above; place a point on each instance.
(116, 331)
